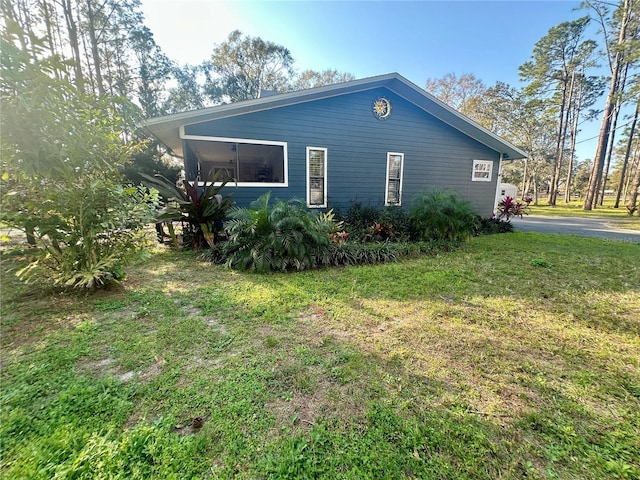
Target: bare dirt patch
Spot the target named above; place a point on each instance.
(304, 410)
(107, 367)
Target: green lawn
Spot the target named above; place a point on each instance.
(517, 356)
(576, 208)
(617, 217)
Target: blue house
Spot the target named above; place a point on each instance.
(377, 141)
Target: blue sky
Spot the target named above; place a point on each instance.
(419, 40)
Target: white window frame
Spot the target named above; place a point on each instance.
(251, 142)
(476, 172)
(386, 185)
(324, 179)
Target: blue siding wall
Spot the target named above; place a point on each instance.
(436, 155)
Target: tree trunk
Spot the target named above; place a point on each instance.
(626, 156)
(633, 195)
(73, 41)
(47, 16)
(605, 173)
(616, 113)
(95, 53)
(562, 133)
(574, 134)
(10, 13)
(605, 129)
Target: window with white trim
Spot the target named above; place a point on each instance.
(482, 170)
(393, 193)
(316, 177)
(249, 162)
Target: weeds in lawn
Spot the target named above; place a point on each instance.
(455, 365)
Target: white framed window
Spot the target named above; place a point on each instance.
(251, 163)
(393, 192)
(482, 170)
(316, 177)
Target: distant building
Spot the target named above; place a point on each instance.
(377, 141)
(507, 190)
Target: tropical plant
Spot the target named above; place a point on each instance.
(441, 215)
(360, 217)
(509, 207)
(203, 209)
(281, 237)
(342, 254)
(370, 224)
(89, 235)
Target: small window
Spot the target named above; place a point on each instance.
(393, 194)
(482, 170)
(316, 177)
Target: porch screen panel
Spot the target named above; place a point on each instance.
(260, 163)
(247, 163)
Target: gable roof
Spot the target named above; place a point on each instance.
(167, 128)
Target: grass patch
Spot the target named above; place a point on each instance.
(517, 356)
(575, 208)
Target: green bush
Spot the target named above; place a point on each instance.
(88, 235)
(370, 224)
(358, 218)
(441, 216)
(281, 237)
(489, 226)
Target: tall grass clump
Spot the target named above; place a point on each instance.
(442, 216)
(284, 236)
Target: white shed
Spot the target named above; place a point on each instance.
(507, 190)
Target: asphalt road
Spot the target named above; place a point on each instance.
(585, 227)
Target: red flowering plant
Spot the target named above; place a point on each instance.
(339, 237)
(509, 207)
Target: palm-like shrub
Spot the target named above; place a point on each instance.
(201, 208)
(86, 236)
(442, 216)
(281, 237)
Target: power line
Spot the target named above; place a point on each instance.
(613, 129)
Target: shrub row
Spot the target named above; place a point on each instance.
(337, 255)
(286, 235)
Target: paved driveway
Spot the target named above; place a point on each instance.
(586, 227)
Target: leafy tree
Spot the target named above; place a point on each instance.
(519, 117)
(241, 66)
(61, 155)
(311, 78)
(187, 93)
(148, 160)
(555, 73)
(581, 177)
(464, 93)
